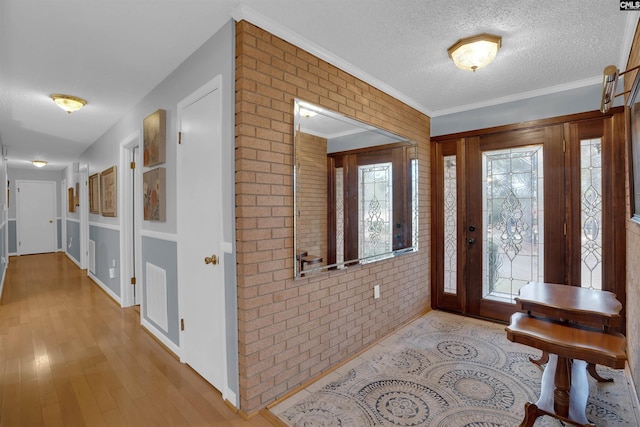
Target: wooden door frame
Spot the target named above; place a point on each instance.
(613, 134)
(611, 130)
(455, 302)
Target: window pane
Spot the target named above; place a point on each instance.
(591, 212)
(414, 203)
(375, 210)
(512, 221)
(340, 217)
(450, 225)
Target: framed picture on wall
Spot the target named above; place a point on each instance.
(71, 199)
(94, 193)
(108, 192)
(154, 129)
(153, 188)
(633, 104)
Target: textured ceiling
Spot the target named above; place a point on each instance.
(114, 52)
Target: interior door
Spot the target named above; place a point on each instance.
(36, 217)
(201, 273)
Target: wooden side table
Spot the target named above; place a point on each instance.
(565, 389)
(576, 305)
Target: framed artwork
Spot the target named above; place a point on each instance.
(94, 193)
(154, 129)
(77, 194)
(633, 104)
(71, 199)
(108, 192)
(154, 190)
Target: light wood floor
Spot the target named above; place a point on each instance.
(70, 356)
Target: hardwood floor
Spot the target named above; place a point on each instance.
(70, 356)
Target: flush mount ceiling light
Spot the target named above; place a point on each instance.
(475, 52)
(39, 163)
(308, 110)
(68, 103)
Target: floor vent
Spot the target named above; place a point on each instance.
(156, 293)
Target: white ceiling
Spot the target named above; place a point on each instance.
(113, 52)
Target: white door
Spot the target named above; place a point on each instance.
(201, 285)
(84, 218)
(130, 242)
(36, 217)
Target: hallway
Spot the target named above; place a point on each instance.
(70, 356)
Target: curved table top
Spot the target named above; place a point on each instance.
(569, 300)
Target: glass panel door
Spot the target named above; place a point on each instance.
(513, 220)
(544, 203)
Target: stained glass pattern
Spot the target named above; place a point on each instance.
(375, 210)
(591, 212)
(512, 221)
(414, 203)
(450, 225)
(340, 217)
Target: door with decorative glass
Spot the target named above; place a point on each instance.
(535, 204)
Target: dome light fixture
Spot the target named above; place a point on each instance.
(68, 103)
(473, 53)
(39, 163)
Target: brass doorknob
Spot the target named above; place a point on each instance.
(211, 260)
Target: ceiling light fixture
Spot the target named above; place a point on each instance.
(39, 163)
(609, 83)
(308, 110)
(472, 53)
(68, 103)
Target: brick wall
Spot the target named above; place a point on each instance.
(312, 221)
(292, 330)
(633, 252)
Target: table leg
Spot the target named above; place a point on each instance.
(530, 415)
(591, 368)
(562, 382)
(542, 360)
(564, 392)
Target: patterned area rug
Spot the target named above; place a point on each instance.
(445, 370)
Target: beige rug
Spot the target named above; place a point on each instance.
(444, 370)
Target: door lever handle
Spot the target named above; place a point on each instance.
(211, 260)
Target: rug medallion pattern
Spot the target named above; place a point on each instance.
(444, 370)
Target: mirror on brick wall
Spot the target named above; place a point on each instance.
(355, 191)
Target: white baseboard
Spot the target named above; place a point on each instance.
(75, 261)
(160, 336)
(105, 288)
(231, 397)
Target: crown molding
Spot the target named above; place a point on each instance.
(244, 13)
(520, 96)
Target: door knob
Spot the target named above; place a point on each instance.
(471, 241)
(211, 260)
